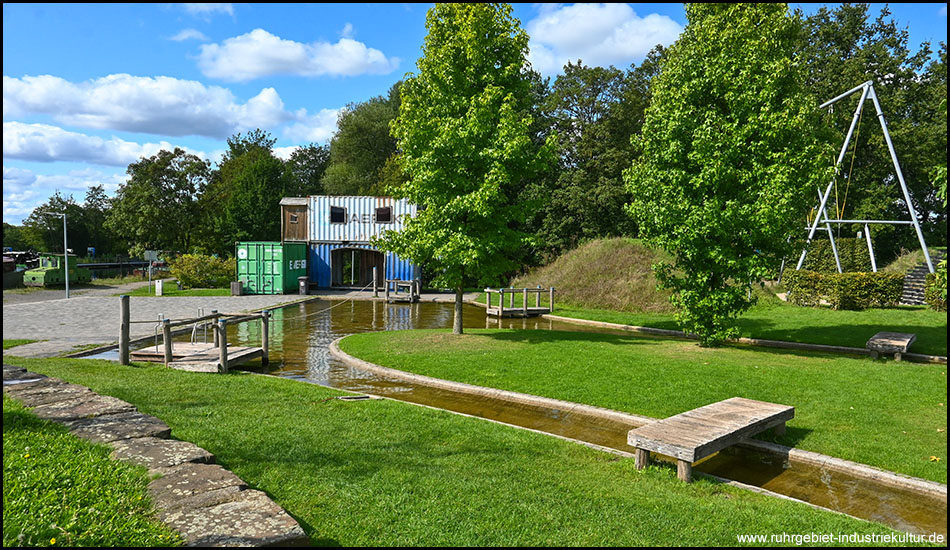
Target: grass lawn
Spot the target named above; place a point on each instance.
(773, 319)
(171, 290)
(59, 490)
(386, 473)
(7, 344)
(885, 414)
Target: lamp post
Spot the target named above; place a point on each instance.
(65, 254)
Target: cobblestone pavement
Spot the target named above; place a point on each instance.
(67, 324)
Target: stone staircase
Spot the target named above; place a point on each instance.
(916, 280)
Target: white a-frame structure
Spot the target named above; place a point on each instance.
(821, 217)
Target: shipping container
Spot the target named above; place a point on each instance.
(351, 265)
(265, 267)
(355, 219)
(340, 231)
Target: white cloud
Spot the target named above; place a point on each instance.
(205, 10)
(23, 190)
(154, 105)
(44, 143)
(260, 53)
(318, 128)
(189, 34)
(598, 34)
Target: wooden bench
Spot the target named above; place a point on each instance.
(890, 342)
(696, 434)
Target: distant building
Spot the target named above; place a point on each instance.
(338, 231)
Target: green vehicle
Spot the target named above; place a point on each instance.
(51, 273)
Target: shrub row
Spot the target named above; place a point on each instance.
(852, 252)
(200, 271)
(851, 291)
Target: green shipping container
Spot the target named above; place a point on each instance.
(270, 267)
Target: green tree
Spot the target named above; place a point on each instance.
(243, 200)
(730, 159)
(305, 168)
(157, 208)
(362, 146)
(594, 111)
(464, 133)
(14, 237)
(43, 228)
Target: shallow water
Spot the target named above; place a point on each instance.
(299, 340)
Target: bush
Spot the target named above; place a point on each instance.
(852, 252)
(850, 291)
(200, 271)
(935, 293)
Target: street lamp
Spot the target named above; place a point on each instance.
(65, 253)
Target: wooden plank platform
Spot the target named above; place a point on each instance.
(890, 342)
(199, 357)
(696, 434)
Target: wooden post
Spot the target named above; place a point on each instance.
(684, 471)
(780, 429)
(524, 306)
(387, 290)
(125, 321)
(375, 283)
(223, 348)
(265, 337)
(214, 331)
(501, 303)
(552, 300)
(167, 339)
(537, 298)
(511, 299)
(642, 458)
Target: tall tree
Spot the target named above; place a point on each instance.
(362, 146)
(244, 197)
(157, 208)
(730, 159)
(305, 168)
(44, 226)
(464, 132)
(594, 111)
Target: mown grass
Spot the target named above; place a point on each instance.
(773, 319)
(611, 281)
(59, 490)
(886, 414)
(386, 473)
(7, 344)
(169, 289)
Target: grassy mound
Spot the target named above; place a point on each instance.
(613, 274)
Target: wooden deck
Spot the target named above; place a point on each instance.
(696, 434)
(199, 357)
(517, 312)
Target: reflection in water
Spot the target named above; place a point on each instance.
(300, 337)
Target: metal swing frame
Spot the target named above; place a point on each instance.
(821, 216)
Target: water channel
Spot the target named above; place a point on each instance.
(299, 340)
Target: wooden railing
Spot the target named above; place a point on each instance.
(525, 309)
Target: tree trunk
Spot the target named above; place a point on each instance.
(457, 324)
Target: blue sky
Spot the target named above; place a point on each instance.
(90, 88)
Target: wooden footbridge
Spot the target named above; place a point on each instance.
(696, 434)
(524, 309)
(216, 356)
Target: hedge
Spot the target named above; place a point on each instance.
(852, 252)
(851, 291)
(935, 293)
